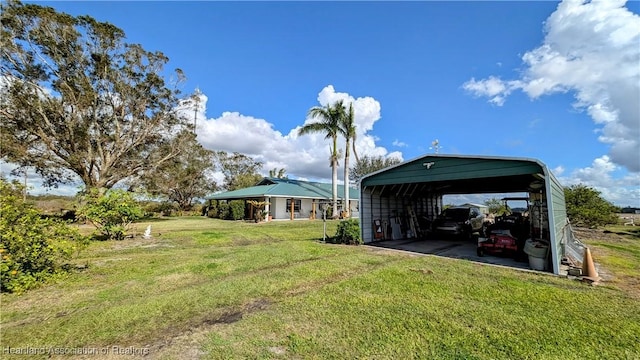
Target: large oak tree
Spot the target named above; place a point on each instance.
(184, 178)
(78, 100)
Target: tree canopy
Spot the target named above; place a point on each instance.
(78, 100)
(585, 207)
(496, 206)
(185, 177)
(239, 170)
(278, 173)
(369, 164)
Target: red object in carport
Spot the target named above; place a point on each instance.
(498, 243)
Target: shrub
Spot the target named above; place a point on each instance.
(236, 209)
(212, 209)
(164, 208)
(585, 207)
(348, 232)
(33, 248)
(223, 210)
(112, 212)
(196, 209)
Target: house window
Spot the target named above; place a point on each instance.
(296, 205)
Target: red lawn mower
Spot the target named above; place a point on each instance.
(508, 234)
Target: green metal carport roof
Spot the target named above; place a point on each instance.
(458, 174)
(465, 174)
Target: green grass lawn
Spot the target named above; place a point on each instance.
(617, 250)
(219, 289)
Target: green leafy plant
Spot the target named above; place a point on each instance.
(348, 232)
(236, 210)
(163, 208)
(212, 209)
(112, 212)
(585, 207)
(33, 248)
(259, 208)
(223, 210)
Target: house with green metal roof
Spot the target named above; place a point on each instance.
(289, 199)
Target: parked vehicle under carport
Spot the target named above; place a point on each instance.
(459, 221)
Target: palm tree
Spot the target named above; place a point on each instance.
(329, 124)
(348, 130)
(280, 174)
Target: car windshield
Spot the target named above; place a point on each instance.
(457, 214)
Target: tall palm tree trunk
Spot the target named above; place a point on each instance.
(334, 183)
(346, 207)
(334, 177)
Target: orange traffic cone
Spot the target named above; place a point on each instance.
(589, 272)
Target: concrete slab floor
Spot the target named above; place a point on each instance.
(451, 248)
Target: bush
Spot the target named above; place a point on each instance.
(112, 212)
(223, 210)
(236, 210)
(212, 210)
(585, 207)
(33, 248)
(348, 232)
(164, 208)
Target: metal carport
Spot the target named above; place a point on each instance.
(418, 186)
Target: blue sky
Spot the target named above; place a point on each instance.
(541, 80)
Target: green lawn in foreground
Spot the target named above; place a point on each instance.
(218, 289)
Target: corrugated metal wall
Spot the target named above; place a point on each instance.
(557, 218)
(374, 206)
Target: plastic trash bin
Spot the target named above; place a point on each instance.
(537, 251)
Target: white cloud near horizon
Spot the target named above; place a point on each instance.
(591, 48)
(302, 156)
(623, 191)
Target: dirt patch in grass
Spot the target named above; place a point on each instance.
(187, 343)
(242, 241)
(585, 234)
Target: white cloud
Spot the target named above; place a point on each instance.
(399, 143)
(558, 170)
(492, 87)
(302, 156)
(305, 157)
(623, 191)
(591, 49)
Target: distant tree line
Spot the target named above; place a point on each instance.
(585, 207)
